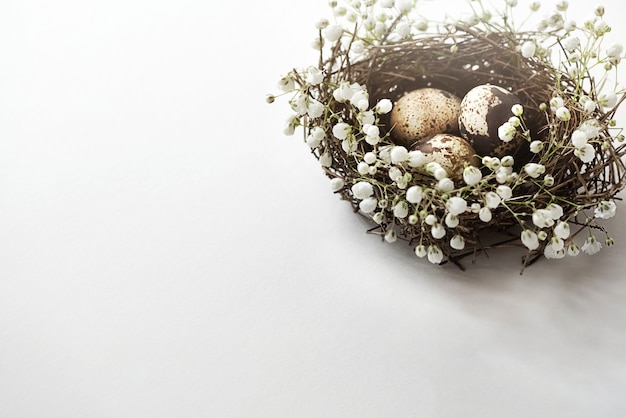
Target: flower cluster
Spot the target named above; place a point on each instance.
(553, 198)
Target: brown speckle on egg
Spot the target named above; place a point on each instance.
(452, 152)
(424, 112)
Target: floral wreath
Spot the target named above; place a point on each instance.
(533, 158)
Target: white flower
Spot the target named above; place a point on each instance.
(586, 153)
(366, 117)
(528, 49)
(349, 145)
(344, 92)
(372, 134)
(333, 33)
(421, 251)
(556, 210)
(536, 146)
(472, 175)
(445, 185)
(542, 218)
(369, 157)
(607, 100)
(383, 106)
(570, 43)
(394, 173)
(336, 184)
(548, 180)
(322, 24)
(437, 231)
(435, 255)
(590, 106)
(360, 100)
(606, 209)
(414, 194)
(457, 242)
(572, 249)
(452, 221)
(591, 245)
(368, 204)
(401, 210)
(315, 137)
(378, 217)
(363, 168)
(362, 190)
(530, 239)
(314, 76)
(504, 192)
(517, 110)
(399, 154)
(485, 214)
(556, 103)
(506, 132)
(591, 127)
(579, 138)
(290, 125)
(287, 83)
(492, 200)
(430, 219)
(554, 249)
(562, 230)
(534, 170)
(404, 6)
(326, 160)
(417, 159)
(387, 4)
(456, 205)
(436, 170)
(391, 236)
(563, 113)
(403, 29)
(615, 50)
(314, 109)
(341, 130)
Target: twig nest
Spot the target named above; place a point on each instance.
(451, 152)
(483, 112)
(424, 112)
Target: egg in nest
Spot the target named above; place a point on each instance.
(424, 112)
(452, 152)
(483, 110)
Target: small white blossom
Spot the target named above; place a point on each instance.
(562, 230)
(456, 205)
(528, 49)
(591, 128)
(383, 106)
(606, 209)
(391, 236)
(401, 210)
(485, 214)
(336, 184)
(366, 117)
(554, 249)
(548, 180)
(556, 103)
(404, 6)
(395, 173)
(369, 157)
(417, 159)
(341, 130)
(451, 221)
(349, 145)
(457, 242)
(437, 231)
(326, 160)
(579, 138)
(430, 219)
(556, 210)
(504, 192)
(530, 239)
(362, 190)
(542, 218)
(570, 43)
(314, 76)
(472, 175)
(314, 109)
(445, 185)
(506, 132)
(591, 245)
(572, 249)
(360, 100)
(517, 109)
(435, 255)
(492, 200)
(368, 204)
(322, 24)
(534, 170)
(536, 146)
(315, 137)
(333, 33)
(399, 154)
(421, 251)
(615, 50)
(563, 113)
(363, 168)
(607, 100)
(378, 217)
(414, 194)
(586, 153)
(287, 83)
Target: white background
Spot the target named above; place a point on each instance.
(166, 252)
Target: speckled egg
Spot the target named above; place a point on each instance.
(452, 152)
(483, 110)
(424, 112)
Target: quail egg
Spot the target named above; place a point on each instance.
(483, 110)
(424, 112)
(452, 152)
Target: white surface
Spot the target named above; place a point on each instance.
(166, 252)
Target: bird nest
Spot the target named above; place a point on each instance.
(548, 194)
